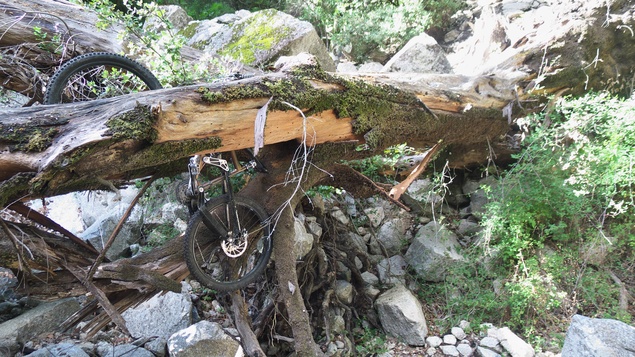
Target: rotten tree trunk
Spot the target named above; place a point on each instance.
(49, 150)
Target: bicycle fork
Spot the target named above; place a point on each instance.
(231, 234)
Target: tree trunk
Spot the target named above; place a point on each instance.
(50, 150)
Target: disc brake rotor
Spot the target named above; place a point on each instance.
(235, 247)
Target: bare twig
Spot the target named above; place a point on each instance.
(19, 246)
(399, 189)
(117, 229)
(39, 218)
(112, 312)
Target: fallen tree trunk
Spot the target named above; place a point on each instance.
(50, 150)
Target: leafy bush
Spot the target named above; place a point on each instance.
(158, 49)
(561, 216)
(574, 174)
(372, 25)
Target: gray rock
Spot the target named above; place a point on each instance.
(346, 67)
(339, 216)
(65, 350)
(173, 13)
(468, 228)
(98, 233)
(303, 239)
(491, 343)
(314, 227)
(449, 340)
(393, 235)
(8, 280)
(204, 338)
(432, 251)
(375, 215)
(401, 315)
(161, 316)
(45, 317)
(128, 350)
(370, 278)
(434, 341)
(331, 349)
(588, 337)
(158, 346)
(514, 344)
(486, 352)
(422, 54)
(458, 333)
(465, 349)
(471, 186)
(344, 291)
(357, 241)
(370, 67)
(392, 270)
(259, 38)
(449, 350)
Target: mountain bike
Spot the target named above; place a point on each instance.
(227, 242)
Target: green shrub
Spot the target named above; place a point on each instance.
(372, 24)
(572, 177)
(560, 217)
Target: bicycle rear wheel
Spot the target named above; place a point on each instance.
(220, 263)
(98, 75)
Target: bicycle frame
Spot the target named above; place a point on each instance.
(197, 192)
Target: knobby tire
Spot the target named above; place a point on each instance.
(205, 257)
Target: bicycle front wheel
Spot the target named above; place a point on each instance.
(227, 264)
(98, 75)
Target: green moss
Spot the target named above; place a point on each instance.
(254, 35)
(232, 93)
(29, 138)
(16, 186)
(137, 124)
(172, 150)
(189, 30)
(383, 114)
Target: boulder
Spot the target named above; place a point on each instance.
(392, 270)
(258, 38)
(174, 14)
(66, 349)
(346, 67)
(433, 250)
(162, 315)
(394, 234)
(303, 239)
(572, 43)
(204, 338)
(127, 349)
(422, 54)
(45, 317)
(370, 67)
(588, 337)
(401, 315)
(513, 344)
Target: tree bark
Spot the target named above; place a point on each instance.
(50, 150)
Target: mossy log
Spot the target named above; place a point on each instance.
(55, 149)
